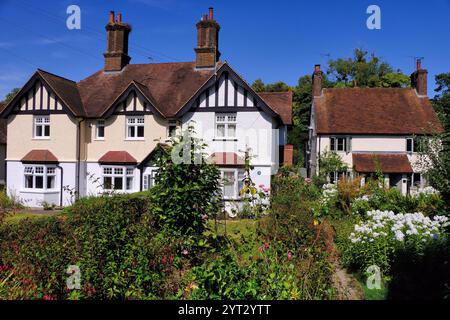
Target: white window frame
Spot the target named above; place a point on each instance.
(346, 144)
(148, 180)
(99, 124)
(134, 121)
(413, 145)
(125, 175)
(46, 172)
(43, 122)
(229, 119)
(238, 183)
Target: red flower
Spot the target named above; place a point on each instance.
(47, 297)
(266, 244)
(165, 260)
(289, 256)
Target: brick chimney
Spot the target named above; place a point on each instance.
(116, 55)
(207, 50)
(419, 79)
(317, 81)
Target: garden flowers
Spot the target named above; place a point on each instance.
(399, 227)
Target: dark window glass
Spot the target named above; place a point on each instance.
(409, 145)
(107, 182)
(131, 132)
(129, 183)
(332, 144)
(28, 181)
(38, 131)
(140, 132)
(39, 182)
(100, 131)
(47, 131)
(50, 182)
(340, 144)
(118, 183)
(172, 131)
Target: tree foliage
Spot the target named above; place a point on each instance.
(11, 95)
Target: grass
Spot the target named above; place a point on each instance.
(372, 294)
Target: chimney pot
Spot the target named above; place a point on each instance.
(119, 17)
(211, 14)
(317, 68)
(111, 17)
(419, 64)
(317, 81)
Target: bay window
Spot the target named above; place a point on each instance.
(118, 178)
(232, 182)
(40, 177)
(135, 128)
(42, 127)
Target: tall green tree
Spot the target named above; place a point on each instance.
(11, 95)
(364, 70)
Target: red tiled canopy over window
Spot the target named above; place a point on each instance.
(389, 163)
(117, 157)
(39, 156)
(226, 159)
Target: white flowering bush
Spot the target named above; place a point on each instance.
(425, 191)
(327, 200)
(376, 239)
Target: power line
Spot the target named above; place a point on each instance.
(98, 35)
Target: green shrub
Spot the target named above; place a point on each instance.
(186, 193)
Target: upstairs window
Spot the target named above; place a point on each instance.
(42, 127)
(412, 145)
(100, 130)
(40, 177)
(226, 125)
(135, 128)
(340, 144)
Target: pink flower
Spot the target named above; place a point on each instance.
(261, 186)
(261, 249)
(266, 245)
(47, 297)
(165, 260)
(289, 256)
(185, 252)
(204, 217)
(308, 180)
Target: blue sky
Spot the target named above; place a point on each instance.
(260, 39)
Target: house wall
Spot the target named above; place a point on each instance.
(62, 141)
(255, 129)
(116, 139)
(369, 144)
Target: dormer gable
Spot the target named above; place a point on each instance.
(136, 99)
(45, 93)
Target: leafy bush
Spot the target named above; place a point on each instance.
(187, 188)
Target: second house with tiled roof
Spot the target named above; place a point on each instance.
(69, 138)
(373, 129)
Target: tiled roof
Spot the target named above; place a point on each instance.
(281, 103)
(117, 157)
(226, 158)
(37, 156)
(169, 84)
(389, 163)
(374, 111)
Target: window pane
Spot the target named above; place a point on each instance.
(107, 170)
(220, 130)
(39, 182)
(228, 190)
(118, 183)
(340, 144)
(140, 131)
(228, 184)
(409, 144)
(131, 131)
(100, 132)
(47, 131)
(231, 130)
(145, 182)
(50, 170)
(39, 170)
(332, 144)
(129, 183)
(172, 131)
(107, 183)
(29, 182)
(118, 171)
(130, 171)
(50, 182)
(38, 131)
